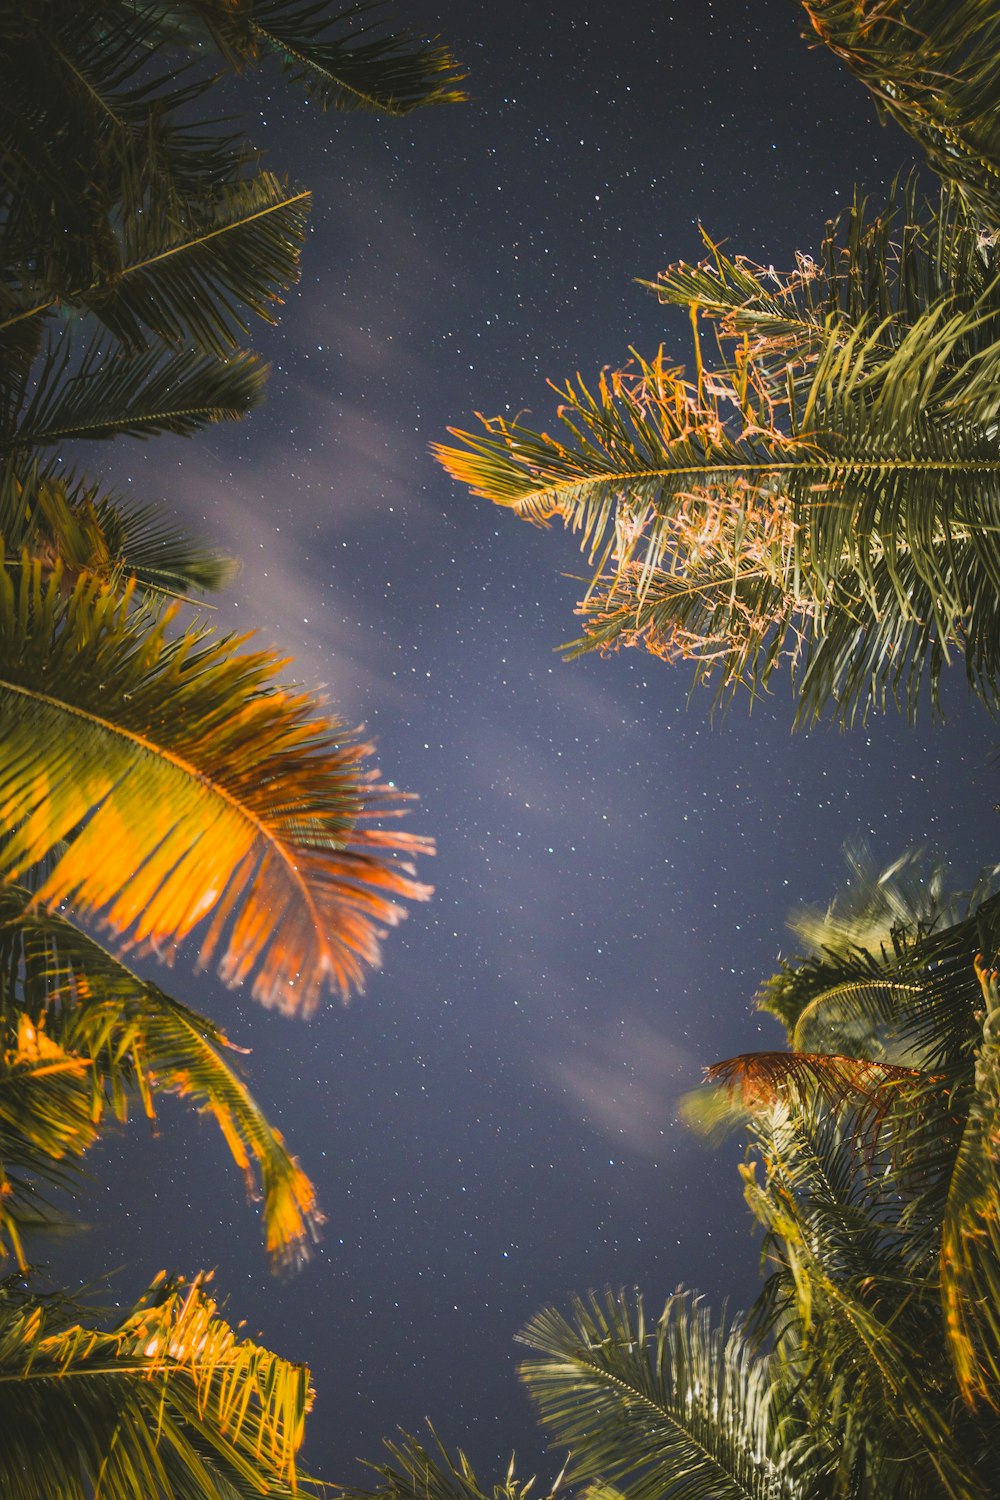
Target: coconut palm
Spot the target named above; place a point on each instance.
(158, 781)
(870, 1364)
(823, 497)
(879, 1187)
(822, 494)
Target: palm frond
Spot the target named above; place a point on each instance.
(138, 395)
(678, 1408)
(53, 513)
(125, 1040)
(879, 269)
(191, 283)
(933, 67)
(869, 1091)
(876, 906)
(167, 1403)
(46, 1126)
(342, 65)
(853, 1311)
(93, 130)
(416, 1471)
(853, 544)
(970, 1235)
(190, 787)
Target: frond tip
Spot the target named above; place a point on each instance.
(191, 789)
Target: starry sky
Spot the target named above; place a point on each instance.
(492, 1126)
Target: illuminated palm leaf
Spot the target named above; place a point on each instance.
(46, 1125)
(677, 1408)
(933, 67)
(970, 1237)
(856, 1313)
(190, 787)
(879, 270)
(855, 543)
(123, 1039)
(168, 1403)
(867, 1090)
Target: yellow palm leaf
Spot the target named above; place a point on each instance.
(168, 1401)
(83, 1013)
(172, 785)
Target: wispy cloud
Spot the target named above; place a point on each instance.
(624, 1077)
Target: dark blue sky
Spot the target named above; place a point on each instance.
(492, 1126)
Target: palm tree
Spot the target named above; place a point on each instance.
(870, 1364)
(188, 789)
(823, 495)
(824, 498)
(879, 1190)
(158, 781)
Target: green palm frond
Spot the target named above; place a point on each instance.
(881, 269)
(676, 1408)
(58, 516)
(191, 283)
(418, 1472)
(138, 395)
(933, 67)
(877, 907)
(168, 1403)
(970, 1236)
(849, 537)
(124, 1040)
(848, 1001)
(93, 129)
(342, 65)
(854, 1312)
(884, 965)
(190, 788)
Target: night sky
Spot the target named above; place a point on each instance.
(492, 1126)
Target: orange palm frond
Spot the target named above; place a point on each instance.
(128, 1039)
(190, 789)
(868, 1089)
